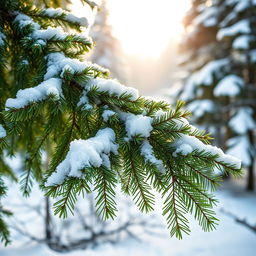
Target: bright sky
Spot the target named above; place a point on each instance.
(145, 27)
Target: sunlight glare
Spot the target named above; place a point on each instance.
(145, 27)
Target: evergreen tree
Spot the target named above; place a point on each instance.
(239, 33)
(206, 64)
(107, 51)
(95, 131)
(220, 91)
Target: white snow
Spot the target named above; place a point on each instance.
(188, 92)
(203, 77)
(200, 107)
(24, 20)
(241, 27)
(57, 63)
(182, 149)
(242, 42)
(51, 12)
(92, 152)
(160, 113)
(26, 96)
(243, 5)
(84, 101)
(2, 132)
(107, 114)
(229, 86)
(113, 87)
(229, 239)
(148, 153)
(207, 17)
(253, 55)
(54, 33)
(24, 62)
(2, 38)
(137, 124)
(49, 33)
(186, 144)
(239, 146)
(180, 122)
(242, 121)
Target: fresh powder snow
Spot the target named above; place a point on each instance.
(53, 12)
(92, 152)
(2, 38)
(113, 88)
(24, 20)
(241, 27)
(2, 132)
(137, 124)
(148, 153)
(242, 121)
(107, 114)
(200, 107)
(229, 86)
(186, 144)
(26, 96)
(240, 147)
(203, 77)
(242, 42)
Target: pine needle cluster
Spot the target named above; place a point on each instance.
(56, 104)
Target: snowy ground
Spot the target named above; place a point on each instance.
(230, 238)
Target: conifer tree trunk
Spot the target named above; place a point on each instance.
(48, 233)
(251, 81)
(250, 177)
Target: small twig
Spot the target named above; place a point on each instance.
(241, 221)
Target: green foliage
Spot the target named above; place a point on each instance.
(220, 85)
(4, 231)
(50, 119)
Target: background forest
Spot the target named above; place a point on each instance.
(200, 51)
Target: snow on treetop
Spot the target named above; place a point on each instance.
(147, 152)
(242, 42)
(107, 114)
(24, 97)
(56, 33)
(238, 6)
(2, 38)
(204, 77)
(253, 56)
(241, 27)
(51, 12)
(200, 107)
(24, 20)
(242, 121)
(229, 86)
(92, 152)
(240, 147)
(243, 5)
(137, 124)
(186, 144)
(207, 17)
(113, 87)
(58, 61)
(2, 131)
(49, 33)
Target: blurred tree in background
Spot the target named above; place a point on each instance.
(107, 51)
(219, 55)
